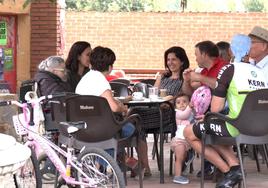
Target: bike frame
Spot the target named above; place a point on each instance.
(36, 141)
(51, 151)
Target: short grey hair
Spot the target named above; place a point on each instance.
(51, 62)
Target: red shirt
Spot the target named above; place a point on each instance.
(214, 70)
(111, 77)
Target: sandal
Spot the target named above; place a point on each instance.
(131, 163)
(147, 173)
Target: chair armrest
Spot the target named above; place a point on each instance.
(212, 115)
(135, 119)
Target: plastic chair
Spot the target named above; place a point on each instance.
(27, 85)
(251, 123)
(103, 129)
(32, 85)
(120, 89)
(149, 81)
(122, 80)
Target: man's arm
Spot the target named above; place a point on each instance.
(187, 88)
(217, 104)
(220, 92)
(186, 85)
(195, 85)
(209, 81)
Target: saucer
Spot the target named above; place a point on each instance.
(137, 99)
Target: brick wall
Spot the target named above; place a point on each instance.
(139, 39)
(45, 32)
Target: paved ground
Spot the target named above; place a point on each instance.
(254, 179)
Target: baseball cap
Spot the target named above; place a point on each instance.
(260, 33)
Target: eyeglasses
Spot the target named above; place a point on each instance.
(256, 41)
(60, 69)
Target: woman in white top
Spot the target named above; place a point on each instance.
(95, 83)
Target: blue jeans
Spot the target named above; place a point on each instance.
(127, 130)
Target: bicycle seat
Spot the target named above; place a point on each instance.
(73, 127)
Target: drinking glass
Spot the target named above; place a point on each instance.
(153, 93)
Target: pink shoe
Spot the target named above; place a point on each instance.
(131, 163)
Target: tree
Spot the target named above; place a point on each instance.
(109, 5)
(162, 5)
(254, 5)
(27, 2)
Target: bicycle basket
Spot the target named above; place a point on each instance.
(18, 121)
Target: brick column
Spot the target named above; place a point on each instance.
(45, 32)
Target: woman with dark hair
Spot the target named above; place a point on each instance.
(77, 62)
(176, 61)
(95, 83)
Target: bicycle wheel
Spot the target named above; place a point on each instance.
(29, 175)
(101, 167)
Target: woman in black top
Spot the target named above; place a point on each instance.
(51, 79)
(77, 62)
(175, 61)
(52, 76)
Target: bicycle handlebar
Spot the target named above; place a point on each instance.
(5, 103)
(30, 98)
(62, 94)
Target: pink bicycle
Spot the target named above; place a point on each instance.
(88, 167)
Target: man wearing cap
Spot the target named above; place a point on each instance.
(232, 85)
(259, 48)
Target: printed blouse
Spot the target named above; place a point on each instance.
(173, 86)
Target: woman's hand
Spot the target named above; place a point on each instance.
(168, 98)
(158, 80)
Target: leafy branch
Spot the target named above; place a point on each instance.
(27, 2)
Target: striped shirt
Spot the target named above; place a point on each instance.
(172, 86)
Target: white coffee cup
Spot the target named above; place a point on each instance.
(137, 95)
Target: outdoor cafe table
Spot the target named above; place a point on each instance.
(156, 104)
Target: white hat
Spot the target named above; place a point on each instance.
(260, 33)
